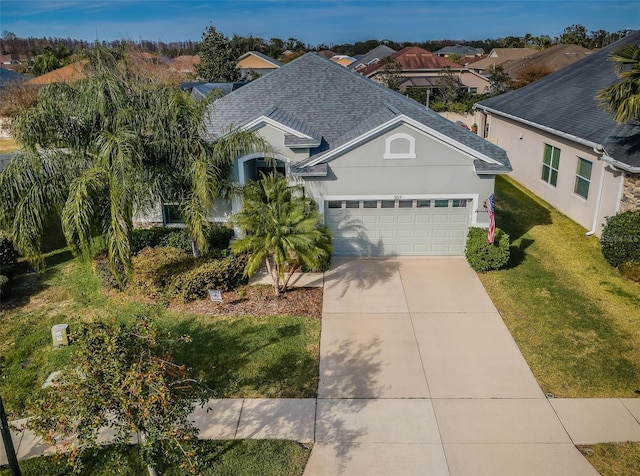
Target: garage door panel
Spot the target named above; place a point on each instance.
(420, 230)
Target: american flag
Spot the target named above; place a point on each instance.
(490, 205)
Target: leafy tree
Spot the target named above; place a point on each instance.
(448, 87)
(50, 60)
(391, 73)
(498, 81)
(107, 145)
(530, 74)
(543, 42)
(512, 42)
(121, 379)
(622, 99)
(455, 58)
(574, 35)
(217, 58)
(282, 229)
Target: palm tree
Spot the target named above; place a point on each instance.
(282, 229)
(96, 151)
(623, 98)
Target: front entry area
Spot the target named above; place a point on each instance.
(399, 227)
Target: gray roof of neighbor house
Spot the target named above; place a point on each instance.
(9, 76)
(565, 102)
(379, 52)
(332, 106)
(461, 50)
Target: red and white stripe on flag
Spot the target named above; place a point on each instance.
(489, 204)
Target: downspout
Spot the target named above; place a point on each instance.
(606, 160)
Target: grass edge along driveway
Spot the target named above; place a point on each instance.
(574, 318)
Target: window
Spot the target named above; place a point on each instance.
(459, 203)
(405, 204)
(583, 178)
(550, 164)
(171, 214)
(335, 204)
(423, 203)
(442, 203)
(370, 204)
(387, 204)
(352, 204)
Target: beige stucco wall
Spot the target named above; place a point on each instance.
(253, 62)
(525, 147)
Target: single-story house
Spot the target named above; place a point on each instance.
(554, 58)
(421, 68)
(500, 57)
(372, 57)
(463, 51)
(389, 176)
(563, 146)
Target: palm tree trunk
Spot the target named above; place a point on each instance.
(194, 248)
(274, 276)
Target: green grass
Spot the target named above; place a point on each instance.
(614, 459)
(574, 317)
(273, 356)
(217, 458)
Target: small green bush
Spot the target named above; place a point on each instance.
(177, 238)
(8, 256)
(620, 240)
(155, 268)
(219, 237)
(224, 274)
(4, 284)
(482, 256)
(142, 238)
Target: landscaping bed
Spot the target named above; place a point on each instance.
(258, 300)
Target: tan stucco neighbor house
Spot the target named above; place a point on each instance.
(389, 176)
(563, 146)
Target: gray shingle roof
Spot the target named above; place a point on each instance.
(379, 52)
(324, 100)
(461, 50)
(565, 101)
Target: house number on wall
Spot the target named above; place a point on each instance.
(397, 197)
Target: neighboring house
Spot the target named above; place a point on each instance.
(200, 90)
(67, 74)
(564, 147)
(11, 62)
(254, 63)
(390, 176)
(184, 63)
(372, 57)
(500, 57)
(9, 76)
(554, 58)
(343, 60)
(421, 68)
(464, 52)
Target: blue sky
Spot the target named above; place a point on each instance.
(313, 22)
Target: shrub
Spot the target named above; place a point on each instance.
(4, 285)
(8, 256)
(102, 270)
(219, 237)
(483, 256)
(224, 274)
(155, 268)
(620, 240)
(148, 237)
(178, 238)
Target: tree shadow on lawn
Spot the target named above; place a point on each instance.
(244, 355)
(517, 212)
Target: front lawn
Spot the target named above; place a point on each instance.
(614, 459)
(239, 356)
(217, 458)
(574, 318)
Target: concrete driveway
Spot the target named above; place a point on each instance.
(419, 375)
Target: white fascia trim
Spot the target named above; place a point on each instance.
(430, 196)
(407, 120)
(260, 121)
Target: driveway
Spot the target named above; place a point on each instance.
(419, 375)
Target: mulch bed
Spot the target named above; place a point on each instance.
(258, 300)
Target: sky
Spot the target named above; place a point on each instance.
(312, 22)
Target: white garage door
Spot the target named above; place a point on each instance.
(398, 227)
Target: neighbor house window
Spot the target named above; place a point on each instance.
(583, 178)
(550, 164)
(171, 214)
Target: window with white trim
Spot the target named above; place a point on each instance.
(550, 164)
(400, 146)
(583, 178)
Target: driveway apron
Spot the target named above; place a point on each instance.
(420, 376)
